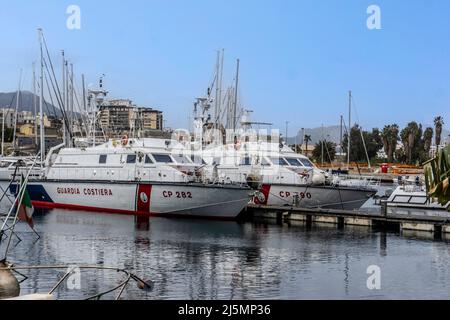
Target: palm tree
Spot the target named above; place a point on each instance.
(427, 138)
(409, 136)
(307, 139)
(438, 123)
(389, 137)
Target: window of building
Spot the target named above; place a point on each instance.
(102, 159)
(162, 158)
(131, 158)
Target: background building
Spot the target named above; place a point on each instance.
(121, 116)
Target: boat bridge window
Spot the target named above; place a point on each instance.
(5, 164)
(197, 160)
(181, 159)
(102, 159)
(131, 158)
(246, 161)
(418, 200)
(265, 162)
(306, 162)
(162, 158)
(148, 160)
(410, 199)
(278, 161)
(293, 162)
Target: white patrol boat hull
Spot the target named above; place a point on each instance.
(164, 199)
(310, 196)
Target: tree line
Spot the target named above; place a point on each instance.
(416, 143)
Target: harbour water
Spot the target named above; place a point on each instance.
(203, 259)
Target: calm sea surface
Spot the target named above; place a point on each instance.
(202, 259)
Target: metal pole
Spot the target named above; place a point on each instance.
(41, 101)
(3, 131)
(286, 137)
(216, 104)
(67, 103)
(349, 127)
(340, 145)
(84, 92)
(17, 110)
(63, 93)
(322, 145)
(35, 105)
(220, 85)
(235, 96)
(72, 116)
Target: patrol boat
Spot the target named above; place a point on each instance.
(282, 178)
(131, 176)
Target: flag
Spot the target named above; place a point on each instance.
(26, 209)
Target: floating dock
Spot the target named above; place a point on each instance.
(438, 225)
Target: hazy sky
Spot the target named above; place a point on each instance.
(298, 58)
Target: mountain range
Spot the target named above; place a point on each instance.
(26, 102)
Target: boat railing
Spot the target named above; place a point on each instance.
(355, 180)
(117, 290)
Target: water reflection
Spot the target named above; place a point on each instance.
(198, 259)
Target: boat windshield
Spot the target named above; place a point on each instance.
(162, 158)
(265, 162)
(293, 162)
(278, 161)
(197, 160)
(5, 164)
(306, 162)
(179, 158)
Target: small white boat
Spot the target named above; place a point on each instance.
(413, 200)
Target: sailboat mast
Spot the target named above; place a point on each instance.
(235, 95)
(41, 101)
(3, 130)
(67, 103)
(220, 86)
(216, 104)
(72, 116)
(17, 110)
(64, 96)
(340, 136)
(35, 105)
(84, 92)
(349, 127)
